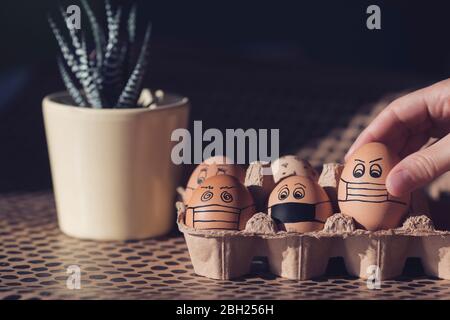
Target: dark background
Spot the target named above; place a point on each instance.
(302, 66)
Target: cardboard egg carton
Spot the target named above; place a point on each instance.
(227, 254)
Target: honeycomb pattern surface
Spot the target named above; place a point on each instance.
(35, 255)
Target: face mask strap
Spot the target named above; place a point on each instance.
(249, 206)
(322, 202)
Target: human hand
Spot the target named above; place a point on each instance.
(406, 125)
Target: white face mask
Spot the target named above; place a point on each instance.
(367, 192)
(233, 214)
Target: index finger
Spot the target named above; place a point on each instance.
(401, 119)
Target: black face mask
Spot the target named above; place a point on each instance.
(292, 212)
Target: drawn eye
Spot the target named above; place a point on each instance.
(283, 193)
(226, 196)
(201, 176)
(375, 171)
(207, 195)
(359, 170)
(299, 193)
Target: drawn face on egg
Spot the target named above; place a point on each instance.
(362, 192)
(299, 204)
(292, 165)
(212, 167)
(220, 202)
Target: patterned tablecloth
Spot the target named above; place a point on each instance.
(35, 257)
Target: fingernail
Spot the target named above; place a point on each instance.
(399, 183)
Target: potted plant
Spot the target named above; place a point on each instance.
(108, 138)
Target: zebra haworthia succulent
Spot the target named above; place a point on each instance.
(111, 73)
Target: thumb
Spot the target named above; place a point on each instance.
(419, 168)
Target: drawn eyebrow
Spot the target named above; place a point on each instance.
(207, 187)
(360, 160)
(378, 159)
(300, 184)
(282, 187)
(227, 187)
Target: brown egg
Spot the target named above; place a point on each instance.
(362, 192)
(299, 204)
(292, 165)
(221, 202)
(209, 168)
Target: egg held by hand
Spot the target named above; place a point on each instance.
(220, 202)
(362, 192)
(299, 204)
(211, 167)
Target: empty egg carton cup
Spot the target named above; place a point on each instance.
(226, 254)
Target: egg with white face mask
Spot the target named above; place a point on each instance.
(362, 192)
(220, 202)
(213, 166)
(299, 204)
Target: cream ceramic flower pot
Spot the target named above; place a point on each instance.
(112, 173)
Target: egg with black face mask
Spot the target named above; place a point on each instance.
(220, 202)
(362, 192)
(299, 204)
(212, 167)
